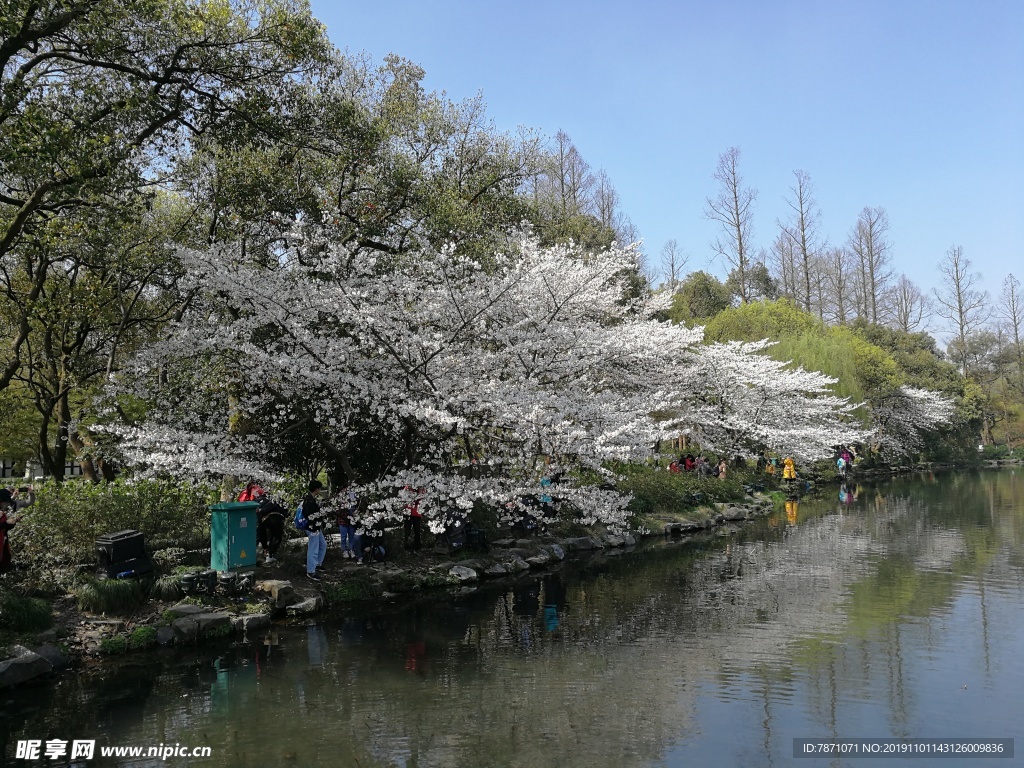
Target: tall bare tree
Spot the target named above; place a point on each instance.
(733, 210)
(910, 306)
(673, 262)
(873, 252)
(1011, 310)
(802, 229)
(782, 258)
(839, 278)
(606, 203)
(961, 302)
(571, 176)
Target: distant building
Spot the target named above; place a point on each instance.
(34, 470)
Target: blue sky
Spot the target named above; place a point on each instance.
(916, 106)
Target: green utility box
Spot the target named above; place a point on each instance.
(233, 534)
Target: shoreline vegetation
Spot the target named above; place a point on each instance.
(51, 629)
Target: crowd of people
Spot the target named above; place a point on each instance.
(313, 518)
(701, 465)
(769, 465)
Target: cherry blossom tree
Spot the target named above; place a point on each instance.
(436, 375)
(450, 365)
(903, 419)
(739, 401)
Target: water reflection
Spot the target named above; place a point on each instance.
(882, 610)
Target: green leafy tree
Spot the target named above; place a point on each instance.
(699, 297)
(99, 101)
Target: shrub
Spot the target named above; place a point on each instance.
(142, 637)
(114, 645)
(63, 525)
(995, 452)
(167, 588)
(109, 596)
(435, 580)
(659, 492)
(168, 559)
(23, 614)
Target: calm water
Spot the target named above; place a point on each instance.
(898, 613)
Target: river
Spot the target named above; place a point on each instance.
(893, 611)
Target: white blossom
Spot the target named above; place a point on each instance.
(467, 373)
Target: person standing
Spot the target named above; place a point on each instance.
(789, 469)
(317, 521)
(9, 503)
(847, 457)
(413, 521)
(270, 530)
(722, 469)
(348, 504)
(6, 505)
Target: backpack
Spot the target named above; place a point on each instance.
(300, 519)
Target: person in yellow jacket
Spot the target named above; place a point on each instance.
(788, 469)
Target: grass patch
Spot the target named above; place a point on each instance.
(351, 590)
(657, 491)
(24, 614)
(207, 601)
(568, 529)
(219, 632)
(402, 582)
(109, 596)
(167, 588)
(435, 580)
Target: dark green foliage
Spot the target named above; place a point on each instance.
(114, 596)
(114, 646)
(401, 581)
(141, 638)
(1002, 452)
(354, 588)
(23, 614)
(435, 580)
(222, 631)
(62, 527)
(699, 297)
(167, 588)
(657, 491)
(760, 285)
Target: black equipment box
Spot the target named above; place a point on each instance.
(122, 554)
